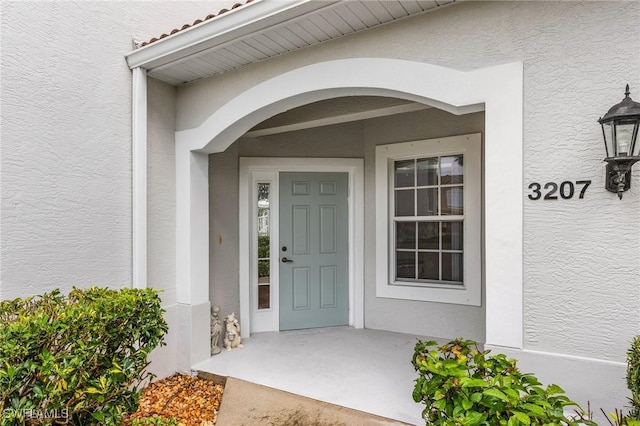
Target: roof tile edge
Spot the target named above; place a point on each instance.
(196, 22)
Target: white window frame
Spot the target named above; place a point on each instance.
(470, 292)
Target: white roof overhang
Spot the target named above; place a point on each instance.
(263, 29)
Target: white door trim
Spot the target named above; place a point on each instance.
(255, 169)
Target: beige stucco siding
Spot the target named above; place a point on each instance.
(580, 272)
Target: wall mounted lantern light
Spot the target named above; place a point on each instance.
(620, 131)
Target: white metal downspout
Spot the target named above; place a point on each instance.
(139, 171)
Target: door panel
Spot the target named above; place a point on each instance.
(314, 270)
(301, 289)
(300, 229)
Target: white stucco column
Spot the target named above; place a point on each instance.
(139, 173)
(192, 255)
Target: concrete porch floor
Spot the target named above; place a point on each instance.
(367, 370)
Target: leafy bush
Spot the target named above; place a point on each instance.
(78, 359)
(633, 377)
(618, 418)
(462, 386)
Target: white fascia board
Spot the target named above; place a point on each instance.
(240, 22)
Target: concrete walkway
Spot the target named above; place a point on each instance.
(365, 370)
(249, 404)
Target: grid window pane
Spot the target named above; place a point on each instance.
(452, 235)
(406, 235)
(431, 249)
(427, 171)
(451, 170)
(405, 264)
(452, 267)
(428, 235)
(405, 202)
(451, 200)
(428, 202)
(405, 173)
(429, 266)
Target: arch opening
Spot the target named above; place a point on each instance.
(496, 90)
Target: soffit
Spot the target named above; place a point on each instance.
(300, 24)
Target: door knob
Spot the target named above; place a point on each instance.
(285, 260)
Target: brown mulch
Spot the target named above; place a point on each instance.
(190, 400)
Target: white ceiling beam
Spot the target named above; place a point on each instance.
(345, 118)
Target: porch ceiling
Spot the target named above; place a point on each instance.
(261, 30)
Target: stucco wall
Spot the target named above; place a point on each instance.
(66, 139)
(581, 287)
(161, 189)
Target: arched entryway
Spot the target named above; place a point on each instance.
(496, 90)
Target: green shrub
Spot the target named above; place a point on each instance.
(633, 377)
(78, 359)
(462, 386)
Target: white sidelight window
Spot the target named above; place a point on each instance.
(263, 245)
(428, 220)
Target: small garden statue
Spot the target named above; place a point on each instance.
(216, 330)
(232, 336)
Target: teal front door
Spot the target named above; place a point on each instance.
(314, 269)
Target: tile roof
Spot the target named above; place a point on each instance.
(196, 22)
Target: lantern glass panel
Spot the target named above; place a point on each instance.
(635, 143)
(624, 135)
(607, 130)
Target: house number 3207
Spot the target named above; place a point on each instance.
(566, 190)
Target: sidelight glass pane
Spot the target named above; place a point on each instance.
(263, 195)
(428, 202)
(428, 266)
(427, 171)
(406, 235)
(452, 267)
(405, 264)
(452, 200)
(405, 173)
(264, 246)
(428, 235)
(405, 202)
(452, 236)
(263, 209)
(263, 271)
(264, 296)
(451, 170)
